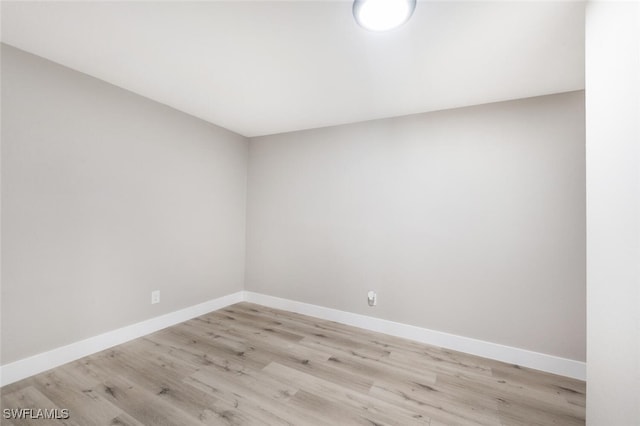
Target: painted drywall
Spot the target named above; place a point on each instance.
(613, 212)
(107, 196)
(468, 221)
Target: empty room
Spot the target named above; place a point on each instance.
(351, 212)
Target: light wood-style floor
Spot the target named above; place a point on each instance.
(252, 365)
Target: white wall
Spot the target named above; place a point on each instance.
(613, 213)
(469, 221)
(107, 196)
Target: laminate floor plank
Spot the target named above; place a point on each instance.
(335, 413)
(436, 407)
(379, 368)
(248, 364)
(327, 333)
(375, 410)
(168, 387)
(518, 395)
(65, 391)
(124, 420)
(143, 404)
(269, 403)
(263, 347)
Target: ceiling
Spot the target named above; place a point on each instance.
(264, 67)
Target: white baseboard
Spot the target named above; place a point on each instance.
(508, 354)
(26, 367)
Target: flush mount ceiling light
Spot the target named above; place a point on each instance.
(382, 15)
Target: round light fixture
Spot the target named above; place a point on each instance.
(382, 15)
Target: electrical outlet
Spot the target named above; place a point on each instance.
(372, 298)
(155, 297)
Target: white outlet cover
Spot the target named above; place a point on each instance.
(155, 297)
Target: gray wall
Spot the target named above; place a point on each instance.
(107, 196)
(469, 221)
(613, 212)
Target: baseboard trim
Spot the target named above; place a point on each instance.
(539, 361)
(26, 367)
